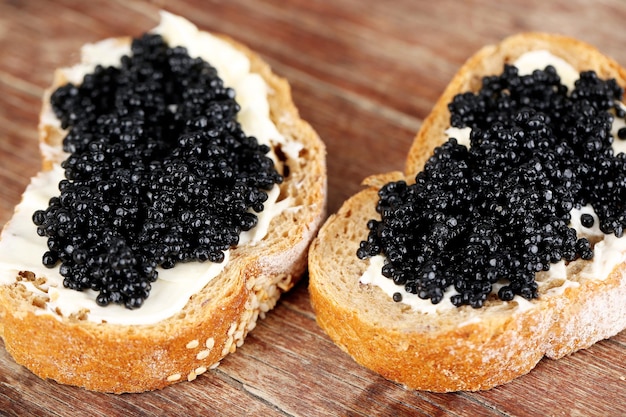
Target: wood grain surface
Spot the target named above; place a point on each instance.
(364, 73)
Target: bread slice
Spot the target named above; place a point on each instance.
(460, 348)
(214, 322)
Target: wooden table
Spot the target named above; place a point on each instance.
(364, 74)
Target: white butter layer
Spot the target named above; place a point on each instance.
(540, 59)
(609, 251)
(373, 276)
(21, 249)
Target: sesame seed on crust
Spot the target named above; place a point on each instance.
(210, 342)
(203, 354)
(173, 377)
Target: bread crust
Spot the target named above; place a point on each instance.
(134, 358)
(465, 349)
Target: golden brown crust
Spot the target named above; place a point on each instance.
(135, 358)
(119, 358)
(461, 349)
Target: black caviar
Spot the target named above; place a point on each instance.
(159, 172)
(586, 220)
(500, 209)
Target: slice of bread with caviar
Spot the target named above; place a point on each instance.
(71, 348)
(429, 302)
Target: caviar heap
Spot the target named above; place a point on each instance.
(159, 172)
(500, 209)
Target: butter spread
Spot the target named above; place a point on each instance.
(21, 248)
(609, 251)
